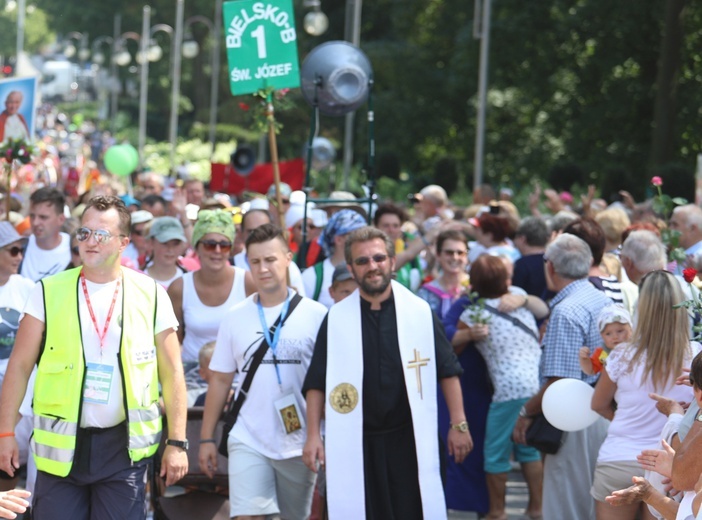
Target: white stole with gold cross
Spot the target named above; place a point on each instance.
(344, 403)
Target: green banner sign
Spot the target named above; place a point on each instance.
(261, 45)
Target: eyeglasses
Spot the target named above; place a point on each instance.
(211, 245)
(454, 252)
(101, 236)
(311, 227)
(14, 250)
(365, 260)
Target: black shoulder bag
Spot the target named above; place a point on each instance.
(229, 417)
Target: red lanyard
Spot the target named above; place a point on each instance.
(92, 313)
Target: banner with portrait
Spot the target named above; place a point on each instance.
(18, 98)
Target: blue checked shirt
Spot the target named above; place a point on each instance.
(573, 324)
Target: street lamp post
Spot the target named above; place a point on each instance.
(149, 51)
(353, 35)
(144, 84)
(98, 59)
(70, 50)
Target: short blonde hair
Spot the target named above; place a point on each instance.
(613, 222)
(205, 354)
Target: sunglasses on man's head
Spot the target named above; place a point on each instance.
(211, 245)
(14, 250)
(365, 260)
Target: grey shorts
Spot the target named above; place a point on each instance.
(259, 485)
(612, 476)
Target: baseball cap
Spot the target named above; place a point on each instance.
(285, 190)
(141, 216)
(341, 274)
(164, 229)
(613, 314)
(8, 234)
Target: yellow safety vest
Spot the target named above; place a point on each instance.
(58, 390)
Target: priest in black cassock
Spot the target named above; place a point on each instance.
(380, 355)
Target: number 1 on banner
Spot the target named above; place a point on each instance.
(260, 36)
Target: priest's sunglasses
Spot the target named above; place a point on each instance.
(101, 236)
(365, 260)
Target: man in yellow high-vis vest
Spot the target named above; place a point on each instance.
(103, 339)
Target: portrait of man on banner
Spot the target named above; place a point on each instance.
(18, 100)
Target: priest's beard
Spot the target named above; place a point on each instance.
(374, 288)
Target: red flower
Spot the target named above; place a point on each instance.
(689, 274)
(244, 106)
(657, 181)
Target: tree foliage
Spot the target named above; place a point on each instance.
(572, 86)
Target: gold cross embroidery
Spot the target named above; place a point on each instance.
(417, 363)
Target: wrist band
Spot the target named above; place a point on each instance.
(424, 239)
(8, 434)
(208, 441)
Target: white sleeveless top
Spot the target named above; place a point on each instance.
(202, 321)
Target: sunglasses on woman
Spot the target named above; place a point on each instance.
(14, 250)
(211, 246)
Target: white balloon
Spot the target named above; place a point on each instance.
(566, 405)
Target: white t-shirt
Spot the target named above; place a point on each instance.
(40, 263)
(240, 335)
(293, 271)
(95, 413)
(309, 280)
(166, 283)
(511, 354)
(637, 425)
(13, 296)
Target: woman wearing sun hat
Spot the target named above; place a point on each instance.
(14, 291)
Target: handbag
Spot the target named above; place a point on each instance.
(543, 436)
(230, 415)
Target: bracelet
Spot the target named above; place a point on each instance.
(424, 239)
(208, 441)
(526, 300)
(8, 434)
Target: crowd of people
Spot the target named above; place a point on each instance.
(378, 360)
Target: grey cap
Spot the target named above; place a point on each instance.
(8, 234)
(341, 274)
(164, 229)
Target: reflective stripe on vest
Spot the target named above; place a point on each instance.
(145, 428)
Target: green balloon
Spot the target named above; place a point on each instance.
(133, 156)
(118, 161)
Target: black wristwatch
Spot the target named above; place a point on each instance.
(178, 444)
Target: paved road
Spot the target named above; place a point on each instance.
(517, 497)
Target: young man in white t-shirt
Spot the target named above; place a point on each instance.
(49, 250)
(266, 472)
